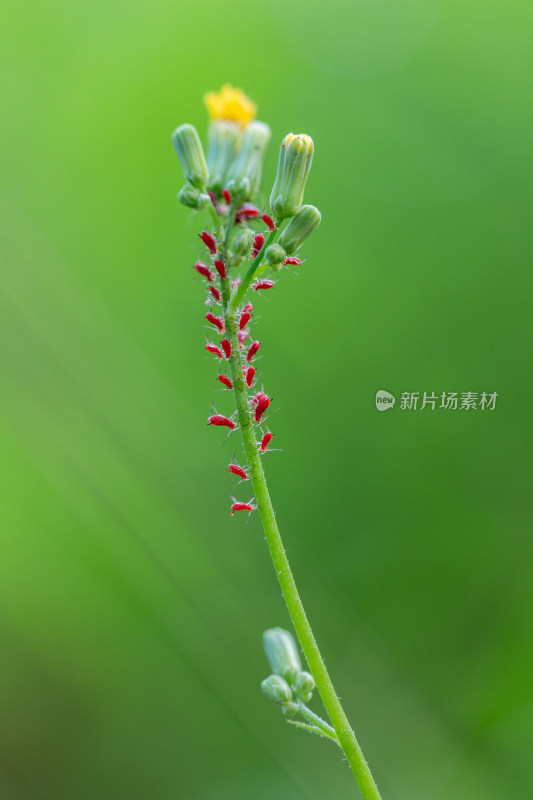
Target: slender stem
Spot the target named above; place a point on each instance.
(345, 735)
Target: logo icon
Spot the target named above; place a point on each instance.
(384, 400)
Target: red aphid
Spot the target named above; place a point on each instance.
(246, 211)
(213, 198)
(265, 441)
(242, 336)
(292, 261)
(209, 242)
(259, 241)
(236, 470)
(260, 402)
(221, 421)
(269, 222)
(250, 375)
(226, 381)
(226, 194)
(212, 348)
(244, 320)
(248, 308)
(242, 507)
(204, 271)
(266, 284)
(217, 321)
(216, 294)
(226, 346)
(252, 350)
(220, 268)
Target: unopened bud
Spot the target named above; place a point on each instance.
(294, 163)
(222, 140)
(300, 228)
(244, 173)
(276, 689)
(304, 685)
(240, 247)
(280, 650)
(193, 198)
(275, 255)
(290, 674)
(191, 155)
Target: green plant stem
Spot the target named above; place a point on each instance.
(239, 294)
(343, 730)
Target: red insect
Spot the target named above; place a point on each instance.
(226, 194)
(292, 261)
(226, 381)
(236, 470)
(226, 346)
(260, 402)
(242, 507)
(265, 441)
(269, 222)
(204, 271)
(209, 242)
(259, 241)
(212, 348)
(246, 211)
(220, 268)
(221, 421)
(248, 308)
(217, 321)
(244, 320)
(250, 375)
(263, 285)
(242, 336)
(252, 350)
(216, 294)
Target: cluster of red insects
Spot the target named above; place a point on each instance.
(260, 401)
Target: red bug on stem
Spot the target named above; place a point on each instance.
(220, 268)
(226, 346)
(260, 402)
(252, 350)
(217, 321)
(209, 242)
(236, 470)
(269, 222)
(226, 381)
(226, 194)
(248, 308)
(214, 349)
(242, 337)
(246, 211)
(216, 294)
(250, 375)
(292, 261)
(265, 441)
(259, 241)
(242, 507)
(266, 284)
(221, 421)
(244, 320)
(204, 271)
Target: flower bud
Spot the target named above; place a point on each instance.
(240, 247)
(275, 255)
(294, 163)
(290, 674)
(244, 174)
(222, 138)
(276, 689)
(300, 228)
(304, 685)
(191, 155)
(280, 650)
(193, 198)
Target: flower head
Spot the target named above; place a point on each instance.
(230, 104)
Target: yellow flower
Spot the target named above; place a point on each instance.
(230, 104)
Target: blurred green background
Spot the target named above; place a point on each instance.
(131, 603)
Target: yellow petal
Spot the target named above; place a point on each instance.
(230, 104)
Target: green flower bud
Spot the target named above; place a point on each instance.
(244, 174)
(304, 685)
(300, 228)
(276, 689)
(294, 163)
(290, 709)
(274, 255)
(290, 674)
(222, 140)
(193, 198)
(191, 155)
(240, 247)
(280, 650)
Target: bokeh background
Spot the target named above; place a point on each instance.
(131, 603)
